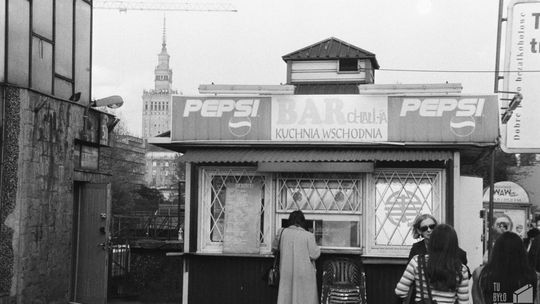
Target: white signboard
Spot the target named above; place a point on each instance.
(329, 118)
(507, 192)
(521, 134)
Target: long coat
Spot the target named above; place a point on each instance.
(297, 283)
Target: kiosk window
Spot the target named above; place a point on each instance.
(400, 196)
(332, 204)
(245, 225)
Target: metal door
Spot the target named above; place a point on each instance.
(91, 222)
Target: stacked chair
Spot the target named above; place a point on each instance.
(343, 282)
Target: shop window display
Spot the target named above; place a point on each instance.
(332, 204)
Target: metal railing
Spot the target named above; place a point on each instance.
(161, 225)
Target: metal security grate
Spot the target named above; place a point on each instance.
(313, 193)
(219, 180)
(400, 196)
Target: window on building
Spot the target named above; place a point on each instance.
(401, 195)
(348, 65)
(154, 163)
(332, 204)
(368, 212)
(219, 191)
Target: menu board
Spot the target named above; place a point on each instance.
(242, 218)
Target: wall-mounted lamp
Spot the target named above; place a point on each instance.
(112, 102)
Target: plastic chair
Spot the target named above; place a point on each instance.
(343, 282)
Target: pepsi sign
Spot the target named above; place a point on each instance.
(220, 118)
(466, 119)
(335, 119)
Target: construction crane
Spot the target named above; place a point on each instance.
(125, 5)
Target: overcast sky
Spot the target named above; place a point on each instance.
(246, 47)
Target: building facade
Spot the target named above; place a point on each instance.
(55, 191)
(161, 172)
(160, 163)
(157, 102)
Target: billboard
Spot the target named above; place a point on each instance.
(522, 57)
(334, 119)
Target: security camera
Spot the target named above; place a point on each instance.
(112, 102)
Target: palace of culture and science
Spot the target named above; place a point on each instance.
(160, 164)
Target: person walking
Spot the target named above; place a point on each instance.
(506, 272)
(298, 252)
(442, 270)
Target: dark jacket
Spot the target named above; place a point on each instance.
(420, 248)
(534, 254)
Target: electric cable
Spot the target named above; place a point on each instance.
(455, 71)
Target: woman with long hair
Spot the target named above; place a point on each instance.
(442, 270)
(298, 252)
(506, 272)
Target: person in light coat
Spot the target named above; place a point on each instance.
(298, 252)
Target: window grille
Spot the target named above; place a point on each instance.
(332, 204)
(400, 196)
(320, 193)
(215, 203)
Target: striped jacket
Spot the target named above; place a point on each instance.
(410, 275)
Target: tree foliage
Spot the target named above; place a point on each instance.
(127, 199)
(129, 194)
(481, 168)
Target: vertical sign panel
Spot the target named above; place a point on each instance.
(522, 57)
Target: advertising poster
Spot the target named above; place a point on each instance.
(335, 119)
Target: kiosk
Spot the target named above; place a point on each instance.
(360, 160)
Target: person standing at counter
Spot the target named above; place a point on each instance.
(298, 252)
(423, 226)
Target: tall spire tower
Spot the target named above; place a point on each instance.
(156, 102)
(163, 73)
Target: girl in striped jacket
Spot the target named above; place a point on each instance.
(447, 277)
